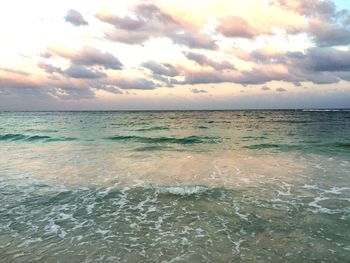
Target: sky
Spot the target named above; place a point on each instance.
(174, 55)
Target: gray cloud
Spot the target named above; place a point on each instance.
(131, 83)
(81, 72)
(246, 77)
(329, 34)
(166, 81)
(195, 90)
(205, 61)
(164, 69)
(45, 91)
(193, 39)
(90, 56)
(75, 18)
(325, 9)
(69, 92)
(326, 26)
(150, 21)
(112, 89)
(265, 88)
(327, 59)
(318, 65)
(49, 68)
(74, 71)
(281, 90)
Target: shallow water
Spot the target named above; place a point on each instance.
(215, 186)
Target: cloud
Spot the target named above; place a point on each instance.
(245, 77)
(70, 92)
(131, 83)
(81, 72)
(193, 39)
(149, 21)
(166, 81)
(325, 25)
(329, 34)
(281, 90)
(73, 71)
(320, 65)
(112, 89)
(321, 22)
(75, 18)
(326, 59)
(49, 68)
(14, 71)
(195, 90)
(90, 56)
(205, 61)
(312, 8)
(265, 88)
(44, 90)
(317, 65)
(234, 26)
(164, 69)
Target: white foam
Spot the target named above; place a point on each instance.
(309, 186)
(30, 241)
(238, 245)
(181, 190)
(178, 190)
(89, 208)
(337, 190)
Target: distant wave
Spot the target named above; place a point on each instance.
(254, 137)
(153, 129)
(342, 145)
(45, 130)
(217, 121)
(294, 121)
(310, 145)
(32, 138)
(152, 148)
(183, 140)
(329, 110)
(262, 146)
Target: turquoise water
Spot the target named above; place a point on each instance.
(195, 186)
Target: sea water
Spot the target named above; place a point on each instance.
(182, 186)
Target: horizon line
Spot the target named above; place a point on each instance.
(173, 110)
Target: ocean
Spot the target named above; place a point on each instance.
(175, 186)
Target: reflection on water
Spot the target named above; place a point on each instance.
(245, 186)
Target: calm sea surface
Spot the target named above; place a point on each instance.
(186, 186)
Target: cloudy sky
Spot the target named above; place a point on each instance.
(181, 54)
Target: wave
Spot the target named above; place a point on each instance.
(154, 148)
(44, 130)
(183, 140)
(178, 190)
(217, 121)
(253, 137)
(294, 121)
(153, 129)
(307, 145)
(341, 145)
(32, 138)
(262, 146)
(325, 110)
